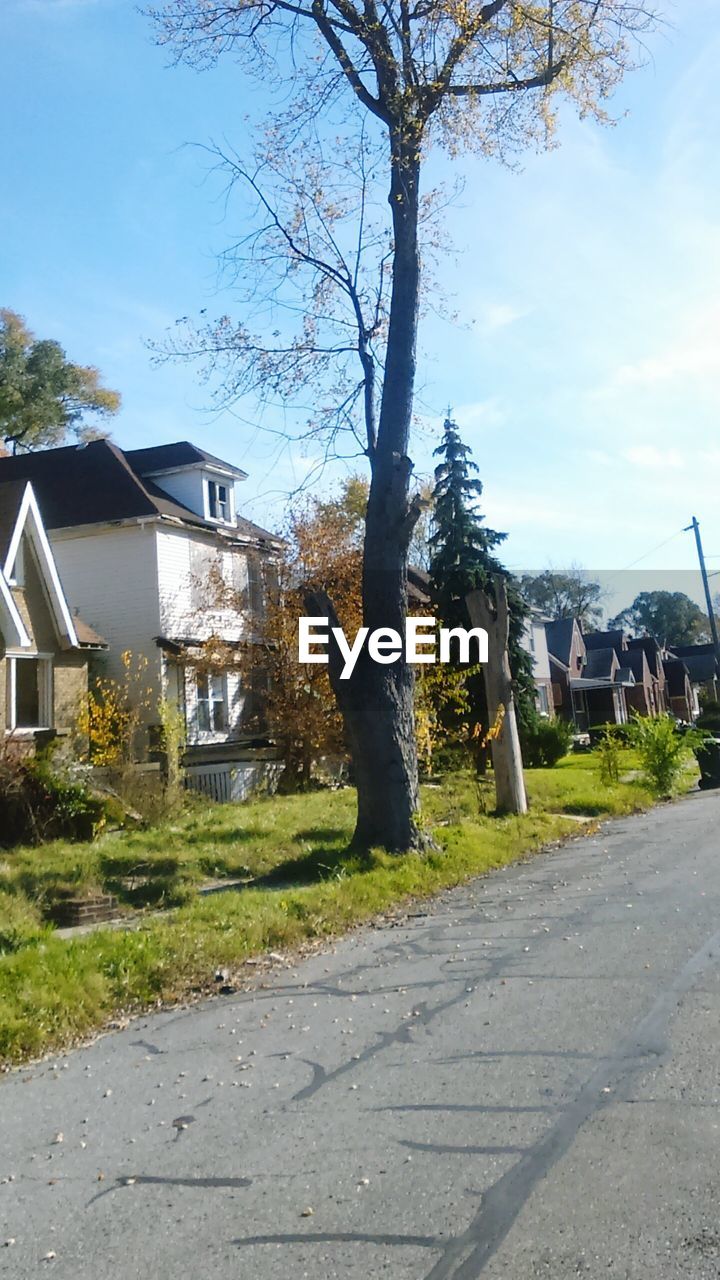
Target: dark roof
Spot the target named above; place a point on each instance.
(652, 650)
(601, 664)
(11, 494)
(692, 650)
(95, 484)
(625, 675)
(165, 457)
(636, 660)
(605, 640)
(699, 659)
(560, 637)
(676, 674)
(702, 667)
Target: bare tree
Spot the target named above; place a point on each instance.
(458, 73)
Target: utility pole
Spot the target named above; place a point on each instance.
(695, 526)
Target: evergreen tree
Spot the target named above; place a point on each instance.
(463, 559)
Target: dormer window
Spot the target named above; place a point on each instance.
(219, 502)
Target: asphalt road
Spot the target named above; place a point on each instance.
(522, 1082)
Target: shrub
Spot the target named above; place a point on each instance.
(545, 742)
(609, 754)
(36, 805)
(662, 749)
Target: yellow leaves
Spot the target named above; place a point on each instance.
(112, 711)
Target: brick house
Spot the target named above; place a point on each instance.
(703, 668)
(44, 650)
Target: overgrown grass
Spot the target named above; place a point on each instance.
(303, 884)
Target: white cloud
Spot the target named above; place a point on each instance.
(652, 458)
(499, 316)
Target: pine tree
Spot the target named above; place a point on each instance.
(463, 559)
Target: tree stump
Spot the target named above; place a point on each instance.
(491, 613)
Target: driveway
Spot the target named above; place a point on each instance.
(520, 1080)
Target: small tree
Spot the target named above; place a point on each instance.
(322, 552)
(44, 397)
(662, 749)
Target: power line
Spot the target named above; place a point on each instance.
(652, 550)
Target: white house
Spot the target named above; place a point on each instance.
(534, 642)
(146, 542)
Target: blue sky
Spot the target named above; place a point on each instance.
(586, 370)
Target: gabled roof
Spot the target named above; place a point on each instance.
(23, 519)
(652, 650)
(605, 640)
(171, 457)
(700, 660)
(625, 675)
(677, 676)
(560, 634)
(636, 660)
(95, 483)
(11, 496)
(692, 650)
(702, 667)
(601, 664)
(12, 628)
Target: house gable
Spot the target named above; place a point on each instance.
(29, 568)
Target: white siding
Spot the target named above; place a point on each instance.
(189, 605)
(190, 609)
(534, 642)
(186, 486)
(111, 578)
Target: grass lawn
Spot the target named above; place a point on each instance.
(302, 884)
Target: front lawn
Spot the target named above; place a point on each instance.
(299, 882)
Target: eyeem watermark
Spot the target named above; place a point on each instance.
(385, 645)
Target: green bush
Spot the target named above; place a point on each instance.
(545, 742)
(662, 749)
(36, 805)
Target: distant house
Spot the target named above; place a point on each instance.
(655, 694)
(681, 697)
(567, 656)
(44, 649)
(534, 642)
(703, 668)
(591, 679)
(154, 552)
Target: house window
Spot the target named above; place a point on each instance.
(29, 693)
(543, 702)
(219, 507)
(211, 703)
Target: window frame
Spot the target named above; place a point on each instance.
(210, 702)
(214, 504)
(46, 708)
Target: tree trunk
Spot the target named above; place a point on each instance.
(492, 615)
(377, 703)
